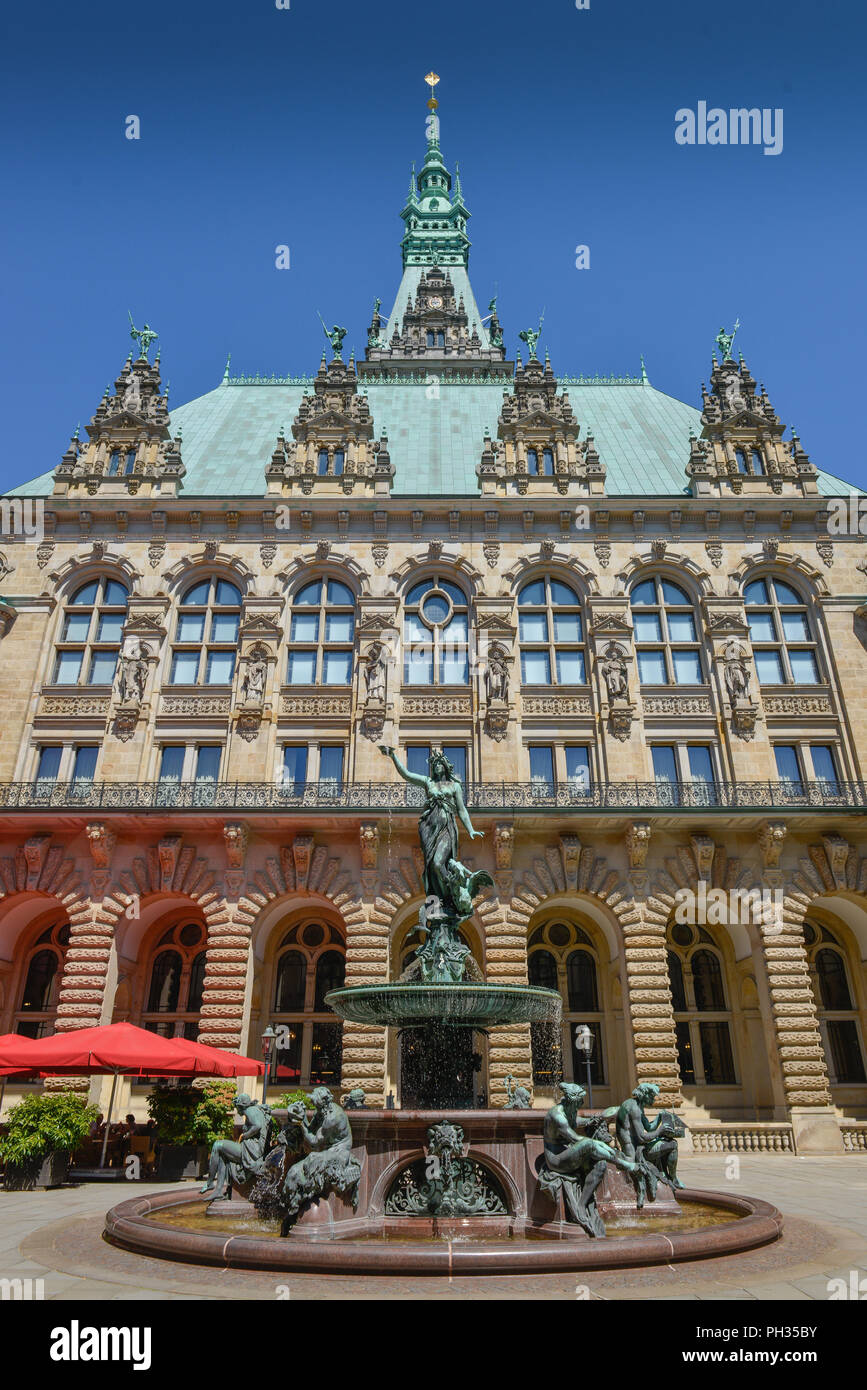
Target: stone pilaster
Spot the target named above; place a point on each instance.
(648, 995)
(509, 1051)
(367, 951)
(226, 965)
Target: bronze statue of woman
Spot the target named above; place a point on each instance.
(438, 825)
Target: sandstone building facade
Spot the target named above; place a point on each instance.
(624, 619)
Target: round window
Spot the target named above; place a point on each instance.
(558, 934)
(313, 934)
(682, 935)
(809, 935)
(191, 934)
(435, 607)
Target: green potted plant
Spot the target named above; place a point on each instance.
(189, 1119)
(42, 1132)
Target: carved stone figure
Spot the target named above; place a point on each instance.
(328, 1164)
(255, 676)
(531, 337)
(724, 341)
(576, 1156)
(449, 885)
(737, 672)
(354, 1099)
(133, 674)
(375, 666)
(335, 336)
(614, 672)
(496, 675)
(734, 398)
(235, 1162)
(651, 1143)
(518, 1096)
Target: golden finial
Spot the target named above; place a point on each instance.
(432, 79)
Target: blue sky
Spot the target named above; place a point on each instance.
(262, 127)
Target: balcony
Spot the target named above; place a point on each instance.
(499, 797)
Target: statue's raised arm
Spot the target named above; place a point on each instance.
(417, 778)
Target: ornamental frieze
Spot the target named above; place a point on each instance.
(437, 705)
(315, 706)
(797, 704)
(194, 705)
(557, 704)
(78, 706)
(676, 704)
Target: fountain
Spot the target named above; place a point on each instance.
(440, 1189)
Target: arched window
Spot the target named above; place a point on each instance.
(547, 462)
(310, 961)
(321, 634)
(839, 1020)
(783, 645)
(702, 1021)
(562, 956)
(175, 982)
(90, 637)
(436, 634)
(38, 996)
(551, 634)
(206, 637)
(666, 637)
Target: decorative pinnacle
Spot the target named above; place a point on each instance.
(644, 377)
(226, 369)
(432, 79)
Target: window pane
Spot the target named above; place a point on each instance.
(198, 594)
(643, 593)
(833, 985)
(651, 668)
(457, 596)
(578, 764)
(561, 593)
(567, 627)
(68, 668)
(49, 763)
(456, 630)
(534, 627)
(102, 668)
(286, 1066)
(804, 669)
(756, 592)
(327, 1054)
(302, 668)
(185, 668)
(110, 627)
(191, 627)
(582, 994)
(647, 626)
(76, 627)
(664, 763)
(716, 1054)
(291, 983)
(675, 975)
(681, 627)
(824, 765)
(542, 764)
(684, 1052)
(788, 766)
(687, 667)
(454, 666)
(769, 667)
(115, 594)
(337, 668)
(331, 763)
(758, 463)
(846, 1058)
(542, 970)
(224, 627)
(762, 627)
(457, 756)
(418, 590)
(85, 595)
(311, 593)
(338, 593)
(39, 985)
(533, 593)
(435, 608)
(418, 758)
(418, 665)
(786, 594)
(221, 668)
(579, 1061)
(305, 627)
(570, 667)
(165, 983)
(707, 981)
(795, 627)
(330, 974)
(532, 461)
(208, 762)
(172, 763)
(227, 594)
(547, 462)
(295, 763)
(672, 594)
(84, 767)
(339, 627)
(700, 764)
(535, 667)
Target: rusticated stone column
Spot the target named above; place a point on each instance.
(509, 1048)
(226, 965)
(364, 1048)
(648, 994)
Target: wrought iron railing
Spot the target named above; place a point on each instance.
(397, 796)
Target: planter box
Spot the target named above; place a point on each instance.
(51, 1172)
(177, 1161)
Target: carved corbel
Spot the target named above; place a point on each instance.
(637, 844)
(837, 851)
(302, 850)
(368, 834)
(35, 853)
(169, 848)
(570, 848)
(236, 837)
(102, 841)
(703, 849)
(504, 844)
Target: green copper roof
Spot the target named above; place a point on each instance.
(229, 434)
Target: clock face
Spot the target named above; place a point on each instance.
(436, 301)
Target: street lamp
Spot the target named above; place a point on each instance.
(585, 1041)
(268, 1038)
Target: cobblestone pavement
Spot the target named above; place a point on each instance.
(57, 1237)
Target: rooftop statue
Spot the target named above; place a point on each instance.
(144, 336)
(450, 886)
(576, 1156)
(531, 338)
(335, 336)
(724, 341)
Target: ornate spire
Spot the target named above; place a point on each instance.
(435, 220)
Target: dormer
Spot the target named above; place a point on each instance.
(129, 450)
(741, 451)
(332, 450)
(538, 451)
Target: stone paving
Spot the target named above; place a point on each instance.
(57, 1237)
